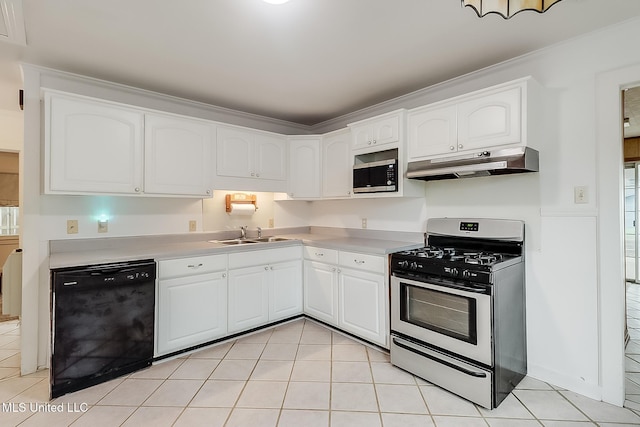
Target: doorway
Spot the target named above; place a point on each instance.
(631, 149)
(10, 288)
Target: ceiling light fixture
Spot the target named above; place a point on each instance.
(626, 122)
(275, 1)
(507, 8)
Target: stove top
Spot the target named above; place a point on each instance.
(465, 264)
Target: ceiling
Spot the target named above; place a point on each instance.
(306, 61)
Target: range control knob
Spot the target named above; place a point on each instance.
(466, 274)
(414, 265)
(453, 272)
(403, 264)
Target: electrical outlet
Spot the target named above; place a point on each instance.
(364, 222)
(580, 195)
(72, 226)
(103, 226)
(193, 225)
(270, 222)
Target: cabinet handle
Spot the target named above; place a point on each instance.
(460, 145)
(451, 147)
(195, 265)
(358, 261)
(137, 189)
(253, 174)
(339, 271)
(374, 141)
(369, 143)
(224, 275)
(208, 191)
(267, 267)
(333, 269)
(319, 254)
(270, 268)
(257, 175)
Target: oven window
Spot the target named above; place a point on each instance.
(442, 312)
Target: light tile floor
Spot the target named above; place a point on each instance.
(297, 374)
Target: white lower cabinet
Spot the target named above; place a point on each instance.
(264, 286)
(348, 290)
(248, 298)
(192, 302)
(321, 291)
(361, 307)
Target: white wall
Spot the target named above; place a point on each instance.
(11, 123)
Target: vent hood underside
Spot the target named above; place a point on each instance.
(482, 163)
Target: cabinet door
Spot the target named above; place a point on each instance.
(178, 156)
(362, 136)
(191, 310)
(361, 308)
(490, 120)
(337, 166)
(270, 157)
(234, 152)
(386, 130)
(304, 167)
(248, 298)
(285, 290)
(321, 291)
(431, 132)
(93, 146)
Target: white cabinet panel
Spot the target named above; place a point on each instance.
(304, 167)
(432, 131)
(248, 298)
(337, 165)
(321, 291)
(285, 290)
(178, 156)
(92, 146)
(234, 152)
(271, 157)
(362, 305)
(494, 119)
(191, 310)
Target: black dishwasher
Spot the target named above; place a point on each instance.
(102, 323)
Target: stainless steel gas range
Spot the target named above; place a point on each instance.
(458, 308)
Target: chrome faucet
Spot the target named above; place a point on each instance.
(259, 232)
(243, 232)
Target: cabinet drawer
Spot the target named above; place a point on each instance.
(373, 263)
(330, 256)
(266, 256)
(191, 266)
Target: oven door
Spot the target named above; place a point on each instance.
(454, 318)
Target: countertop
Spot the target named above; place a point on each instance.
(148, 248)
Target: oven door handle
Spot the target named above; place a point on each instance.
(443, 362)
(484, 290)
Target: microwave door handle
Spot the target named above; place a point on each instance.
(443, 362)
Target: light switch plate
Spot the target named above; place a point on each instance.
(580, 195)
(103, 226)
(193, 225)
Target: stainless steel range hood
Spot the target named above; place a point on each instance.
(479, 163)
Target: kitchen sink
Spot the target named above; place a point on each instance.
(235, 241)
(271, 239)
(249, 241)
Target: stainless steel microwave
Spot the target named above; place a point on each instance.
(376, 177)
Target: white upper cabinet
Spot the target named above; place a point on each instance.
(244, 153)
(304, 168)
(337, 166)
(432, 131)
(92, 147)
(178, 156)
(371, 133)
(498, 116)
(490, 120)
(97, 147)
